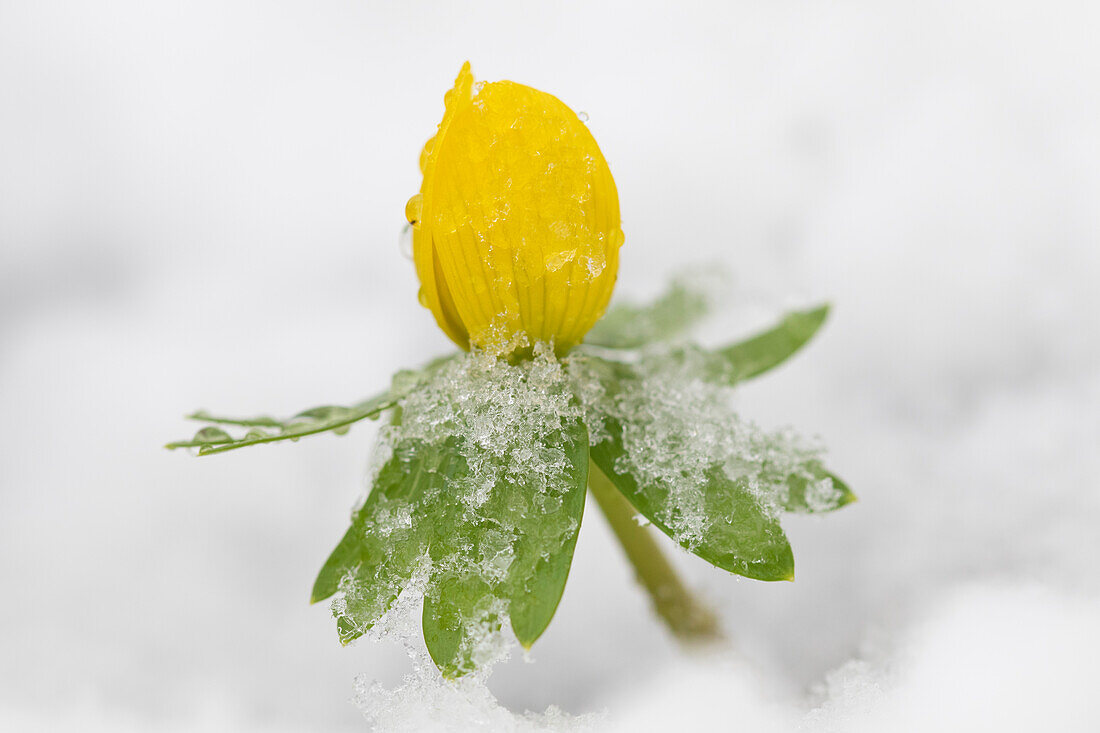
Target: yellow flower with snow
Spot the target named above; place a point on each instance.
(516, 229)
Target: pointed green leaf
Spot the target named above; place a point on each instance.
(328, 418)
(738, 534)
(456, 616)
(546, 534)
(342, 559)
(769, 349)
(389, 535)
(309, 422)
(512, 555)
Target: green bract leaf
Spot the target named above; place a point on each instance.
(537, 578)
(629, 326)
(390, 534)
(769, 349)
(462, 610)
(507, 556)
(713, 482)
(327, 418)
(737, 533)
(211, 440)
(514, 558)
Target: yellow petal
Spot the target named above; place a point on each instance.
(518, 231)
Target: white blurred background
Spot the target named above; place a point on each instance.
(200, 205)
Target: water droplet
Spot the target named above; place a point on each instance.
(211, 434)
(583, 116)
(422, 297)
(413, 208)
(617, 238)
(405, 242)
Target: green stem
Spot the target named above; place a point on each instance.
(687, 617)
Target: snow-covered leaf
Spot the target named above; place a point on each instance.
(390, 535)
(735, 531)
(459, 611)
(544, 550)
(489, 552)
(511, 556)
(668, 438)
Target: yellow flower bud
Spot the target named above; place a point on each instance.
(516, 227)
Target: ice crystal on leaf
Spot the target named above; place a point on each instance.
(677, 429)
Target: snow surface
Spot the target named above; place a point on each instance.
(199, 207)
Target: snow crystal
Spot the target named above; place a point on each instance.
(506, 413)
(854, 689)
(966, 665)
(401, 622)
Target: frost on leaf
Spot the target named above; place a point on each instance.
(481, 495)
(666, 436)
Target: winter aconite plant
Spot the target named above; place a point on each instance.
(483, 464)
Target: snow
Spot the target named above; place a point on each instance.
(424, 702)
(505, 413)
(199, 207)
(987, 657)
